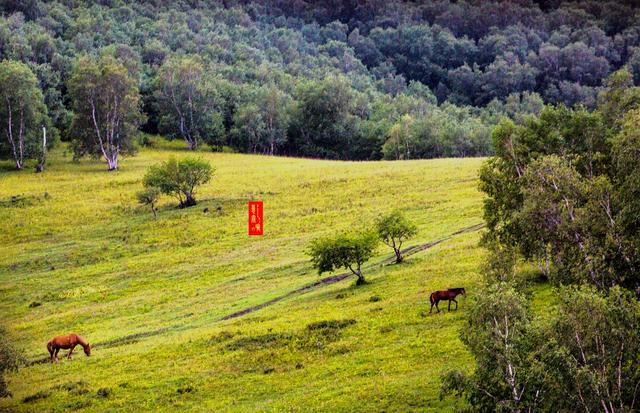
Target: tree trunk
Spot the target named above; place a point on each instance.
(43, 157)
(113, 163)
(153, 209)
(360, 280)
(189, 201)
(398, 255)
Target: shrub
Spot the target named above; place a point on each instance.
(179, 178)
(104, 392)
(149, 196)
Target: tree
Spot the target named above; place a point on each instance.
(498, 336)
(149, 196)
(179, 178)
(618, 96)
(260, 125)
(592, 353)
(249, 128)
(347, 251)
(323, 123)
(584, 359)
(9, 361)
(393, 229)
(22, 113)
(106, 105)
(274, 106)
(188, 102)
(400, 145)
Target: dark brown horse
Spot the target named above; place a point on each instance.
(67, 342)
(449, 294)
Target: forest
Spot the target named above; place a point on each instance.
(359, 80)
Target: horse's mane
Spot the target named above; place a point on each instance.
(84, 343)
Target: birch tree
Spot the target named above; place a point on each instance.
(106, 105)
(497, 335)
(22, 113)
(188, 102)
(260, 126)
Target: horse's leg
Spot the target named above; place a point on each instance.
(449, 307)
(437, 308)
(56, 353)
(431, 309)
(71, 351)
(454, 300)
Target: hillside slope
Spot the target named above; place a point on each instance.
(152, 295)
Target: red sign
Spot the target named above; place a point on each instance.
(256, 221)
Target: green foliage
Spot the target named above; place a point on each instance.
(618, 97)
(498, 338)
(555, 196)
(562, 193)
(394, 229)
(586, 356)
(149, 196)
(348, 251)
(179, 178)
(400, 142)
(323, 120)
(106, 105)
(189, 104)
(200, 68)
(592, 354)
(626, 150)
(22, 113)
(260, 125)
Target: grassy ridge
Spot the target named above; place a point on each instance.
(100, 265)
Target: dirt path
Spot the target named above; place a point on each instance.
(337, 278)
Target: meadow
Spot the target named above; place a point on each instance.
(153, 296)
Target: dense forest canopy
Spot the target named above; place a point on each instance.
(336, 79)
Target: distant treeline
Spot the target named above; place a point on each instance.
(332, 79)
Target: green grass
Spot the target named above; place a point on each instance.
(150, 294)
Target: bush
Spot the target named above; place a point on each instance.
(179, 178)
(149, 196)
(104, 392)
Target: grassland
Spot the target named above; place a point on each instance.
(78, 254)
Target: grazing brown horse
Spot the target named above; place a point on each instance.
(449, 294)
(67, 342)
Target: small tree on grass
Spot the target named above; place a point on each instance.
(179, 178)
(393, 230)
(149, 196)
(347, 251)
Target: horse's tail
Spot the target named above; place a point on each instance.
(432, 298)
(50, 347)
